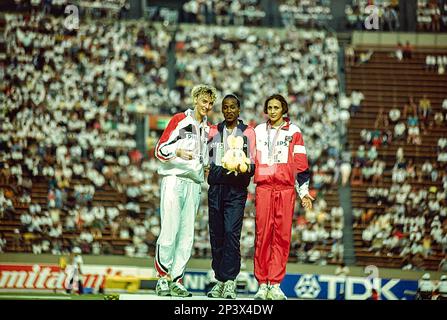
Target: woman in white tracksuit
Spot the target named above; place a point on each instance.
(182, 149)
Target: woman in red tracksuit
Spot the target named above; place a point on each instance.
(281, 167)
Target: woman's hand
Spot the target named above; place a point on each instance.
(306, 201)
(184, 154)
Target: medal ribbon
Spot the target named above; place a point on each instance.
(272, 145)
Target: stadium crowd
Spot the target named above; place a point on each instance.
(431, 15)
(223, 13)
(305, 13)
(413, 223)
(65, 120)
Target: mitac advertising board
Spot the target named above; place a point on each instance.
(51, 277)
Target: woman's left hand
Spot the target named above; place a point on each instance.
(306, 201)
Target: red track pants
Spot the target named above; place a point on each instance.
(274, 213)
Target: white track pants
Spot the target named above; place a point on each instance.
(180, 199)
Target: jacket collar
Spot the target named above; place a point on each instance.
(286, 126)
(241, 126)
(190, 113)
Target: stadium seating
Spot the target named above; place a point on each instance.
(387, 83)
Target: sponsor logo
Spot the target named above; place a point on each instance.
(350, 288)
(278, 143)
(52, 277)
(307, 287)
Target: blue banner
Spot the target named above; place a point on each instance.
(313, 286)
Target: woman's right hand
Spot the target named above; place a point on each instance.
(184, 154)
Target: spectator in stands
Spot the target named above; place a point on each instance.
(427, 246)
(425, 111)
(372, 154)
(337, 218)
(442, 157)
(96, 248)
(394, 115)
(357, 176)
(427, 168)
(444, 244)
(399, 51)
(2, 243)
(430, 63)
(314, 256)
(337, 251)
(378, 242)
(381, 120)
(444, 108)
(350, 55)
(435, 14)
(407, 50)
(356, 101)
(377, 170)
(413, 136)
(8, 210)
(399, 131)
(5, 173)
(442, 144)
(345, 169)
(438, 119)
(441, 65)
(365, 57)
(443, 264)
(410, 108)
(390, 19)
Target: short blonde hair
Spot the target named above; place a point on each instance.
(203, 89)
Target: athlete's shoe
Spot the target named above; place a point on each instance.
(179, 290)
(275, 293)
(162, 287)
(229, 290)
(216, 291)
(262, 292)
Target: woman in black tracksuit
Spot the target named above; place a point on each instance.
(227, 195)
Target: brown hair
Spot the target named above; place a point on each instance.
(280, 98)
